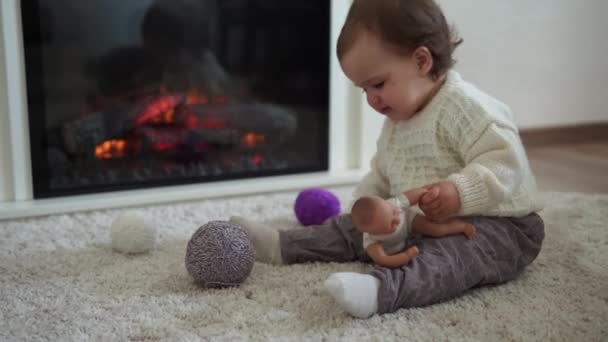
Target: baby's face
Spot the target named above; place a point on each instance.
(394, 84)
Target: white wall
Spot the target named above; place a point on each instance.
(547, 59)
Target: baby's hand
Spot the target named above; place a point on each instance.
(414, 195)
(441, 201)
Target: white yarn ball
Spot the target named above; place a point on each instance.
(131, 233)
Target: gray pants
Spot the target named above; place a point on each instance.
(445, 268)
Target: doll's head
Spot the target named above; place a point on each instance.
(398, 52)
(374, 215)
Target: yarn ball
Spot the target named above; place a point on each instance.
(314, 206)
(220, 254)
(131, 233)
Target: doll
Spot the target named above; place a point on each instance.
(385, 226)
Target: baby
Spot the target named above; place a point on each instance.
(385, 227)
(440, 133)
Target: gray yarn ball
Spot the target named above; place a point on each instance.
(220, 254)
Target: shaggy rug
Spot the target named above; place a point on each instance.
(60, 281)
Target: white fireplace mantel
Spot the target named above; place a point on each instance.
(353, 132)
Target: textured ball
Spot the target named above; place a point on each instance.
(220, 254)
(132, 233)
(314, 206)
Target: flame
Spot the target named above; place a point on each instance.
(158, 110)
(163, 146)
(191, 121)
(253, 139)
(169, 116)
(257, 159)
(162, 109)
(111, 149)
(212, 123)
(196, 96)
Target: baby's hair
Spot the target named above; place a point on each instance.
(363, 211)
(404, 25)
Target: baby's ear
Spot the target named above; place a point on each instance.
(423, 59)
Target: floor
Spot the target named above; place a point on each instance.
(579, 167)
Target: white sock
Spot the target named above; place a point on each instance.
(265, 240)
(356, 293)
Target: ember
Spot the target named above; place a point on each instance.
(159, 110)
(111, 149)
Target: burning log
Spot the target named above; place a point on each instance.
(274, 122)
(83, 135)
(179, 140)
(177, 124)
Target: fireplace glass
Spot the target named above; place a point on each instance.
(146, 93)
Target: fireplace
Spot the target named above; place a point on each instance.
(132, 94)
(186, 121)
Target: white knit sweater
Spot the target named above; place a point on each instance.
(465, 136)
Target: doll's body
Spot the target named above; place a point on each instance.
(385, 226)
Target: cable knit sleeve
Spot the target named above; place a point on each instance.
(494, 168)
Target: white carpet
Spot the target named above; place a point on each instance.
(60, 281)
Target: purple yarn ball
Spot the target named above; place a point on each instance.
(314, 206)
(220, 254)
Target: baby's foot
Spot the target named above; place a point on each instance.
(356, 293)
(469, 231)
(265, 240)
